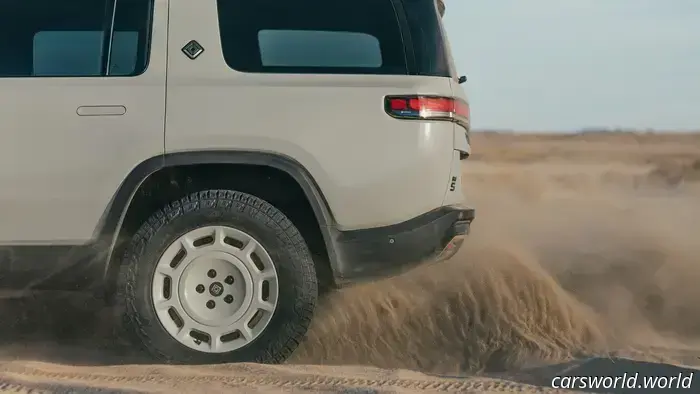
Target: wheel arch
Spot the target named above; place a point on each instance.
(110, 225)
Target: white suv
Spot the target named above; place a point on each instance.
(216, 164)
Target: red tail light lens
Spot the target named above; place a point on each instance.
(428, 108)
(462, 109)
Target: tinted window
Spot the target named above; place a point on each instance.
(313, 48)
(78, 53)
(70, 38)
(429, 45)
(312, 36)
(132, 37)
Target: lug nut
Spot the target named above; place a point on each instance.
(200, 289)
(229, 280)
(211, 304)
(211, 274)
(228, 299)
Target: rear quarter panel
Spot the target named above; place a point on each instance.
(373, 170)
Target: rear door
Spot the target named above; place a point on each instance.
(82, 97)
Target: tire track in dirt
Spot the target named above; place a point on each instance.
(8, 386)
(159, 378)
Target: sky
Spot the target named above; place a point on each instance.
(566, 65)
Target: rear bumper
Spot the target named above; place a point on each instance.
(388, 251)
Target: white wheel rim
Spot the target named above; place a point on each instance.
(215, 289)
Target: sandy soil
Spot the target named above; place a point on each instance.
(583, 261)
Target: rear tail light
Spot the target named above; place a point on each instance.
(428, 108)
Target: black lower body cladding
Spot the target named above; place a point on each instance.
(386, 251)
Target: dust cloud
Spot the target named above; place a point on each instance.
(571, 255)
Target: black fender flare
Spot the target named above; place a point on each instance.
(107, 230)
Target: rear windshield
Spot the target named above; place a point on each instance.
(428, 40)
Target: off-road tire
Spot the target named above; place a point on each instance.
(298, 289)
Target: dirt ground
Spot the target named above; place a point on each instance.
(583, 260)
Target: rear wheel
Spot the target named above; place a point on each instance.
(219, 276)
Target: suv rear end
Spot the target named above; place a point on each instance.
(422, 214)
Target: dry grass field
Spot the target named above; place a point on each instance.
(583, 259)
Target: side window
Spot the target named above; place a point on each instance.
(66, 53)
(71, 38)
(131, 42)
(312, 36)
(314, 48)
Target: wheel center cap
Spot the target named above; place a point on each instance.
(216, 289)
